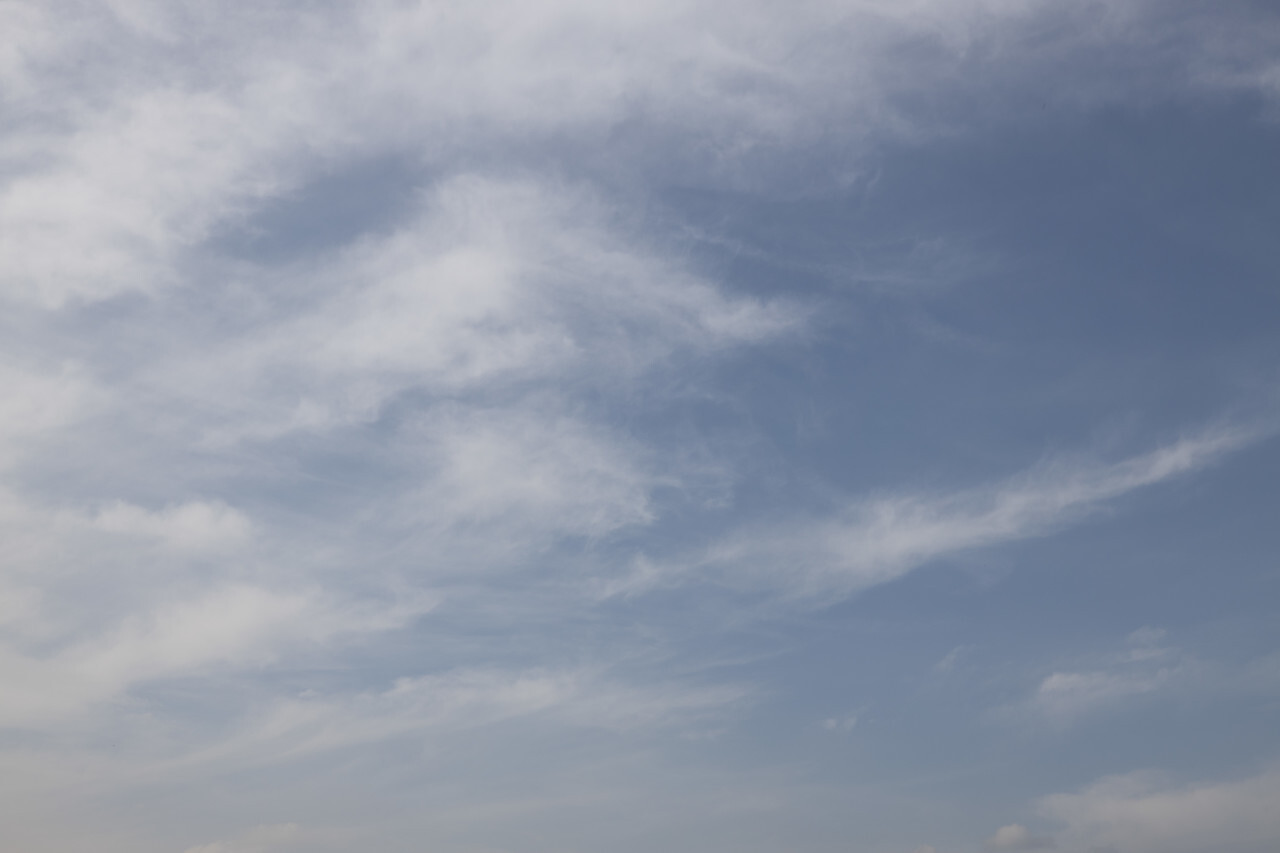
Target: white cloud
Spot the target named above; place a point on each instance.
(436, 708)
(225, 466)
(876, 541)
(115, 181)
(494, 285)
(1146, 813)
(236, 627)
(1143, 668)
(1015, 836)
(195, 525)
(37, 402)
(950, 659)
(1145, 644)
(840, 724)
(521, 470)
(505, 298)
(1063, 696)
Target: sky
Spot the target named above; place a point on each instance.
(556, 426)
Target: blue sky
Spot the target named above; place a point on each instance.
(695, 426)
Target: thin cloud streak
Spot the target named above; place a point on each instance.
(879, 540)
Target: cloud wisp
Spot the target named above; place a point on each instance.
(877, 540)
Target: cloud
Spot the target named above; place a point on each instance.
(136, 178)
(237, 626)
(1142, 812)
(487, 316)
(260, 839)
(878, 540)
(1017, 837)
(435, 708)
(556, 476)
(948, 661)
(495, 286)
(39, 400)
(1145, 667)
(195, 525)
(270, 494)
(840, 724)
(1063, 696)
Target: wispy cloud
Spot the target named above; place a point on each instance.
(1147, 668)
(269, 495)
(235, 627)
(438, 707)
(136, 176)
(877, 540)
